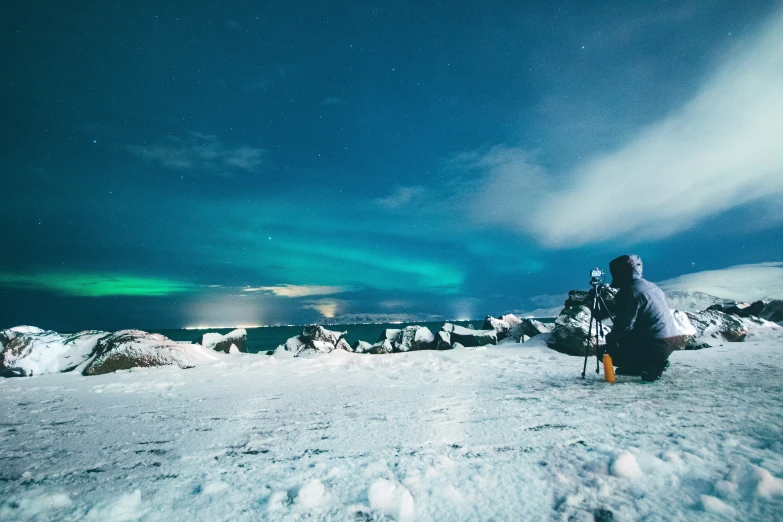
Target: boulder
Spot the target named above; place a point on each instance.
(512, 327)
(443, 341)
(382, 347)
(740, 309)
(585, 298)
(319, 333)
(26, 350)
(134, 349)
(342, 344)
(468, 337)
(718, 325)
(361, 347)
(773, 311)
(315, 339)
(528, 328)
(416, 338)
(502, 325)
(233, 342)
(570, 334)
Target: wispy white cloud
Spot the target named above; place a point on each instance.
(332, 101)
(719, 151)
(299, 290)
(202, 151)
(401, 197)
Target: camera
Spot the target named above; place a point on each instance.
(596, 277)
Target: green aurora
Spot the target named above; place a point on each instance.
(96, 284)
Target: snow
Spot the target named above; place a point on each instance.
(510, 432)
(389, 498)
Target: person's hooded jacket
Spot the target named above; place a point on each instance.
(642, 311)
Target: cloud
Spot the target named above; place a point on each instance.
(400, 197)
(326, 307)
(300, 290)
(762, 281)
(332, 101)
(200, 151)
(719, 151)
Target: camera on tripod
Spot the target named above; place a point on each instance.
(595, 329)
(597, 277)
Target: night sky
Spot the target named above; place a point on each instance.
(166, 164)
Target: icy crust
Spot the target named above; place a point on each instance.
(29, 351)
(133, 349)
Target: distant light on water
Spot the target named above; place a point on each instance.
(210, 327)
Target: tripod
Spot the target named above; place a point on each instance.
(595, 318)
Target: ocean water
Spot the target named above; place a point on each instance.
(268, 338)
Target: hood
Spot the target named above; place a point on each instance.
(625, 269)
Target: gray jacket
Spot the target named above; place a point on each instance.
(642, 311)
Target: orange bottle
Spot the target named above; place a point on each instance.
(608, 368)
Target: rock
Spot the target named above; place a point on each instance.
(416, 338)
(224, 343)
(527, 329)
(443, 341)
(134, 349)
(585, 298)
(315, 339)
(502, 326)
(468, 337)
(361, 347)
(570, 334)
(740, 309)
(319, 333)
(382, 347)
(342, 344)
(512, 327)
(718, 325)
(26, 350)
(773, 311)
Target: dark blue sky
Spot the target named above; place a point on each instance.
(165, 164)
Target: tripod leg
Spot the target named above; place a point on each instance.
(587, 346)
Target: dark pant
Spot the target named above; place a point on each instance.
(642, 354)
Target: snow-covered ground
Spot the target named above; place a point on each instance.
(504, 433)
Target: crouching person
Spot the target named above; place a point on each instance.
(643, 333)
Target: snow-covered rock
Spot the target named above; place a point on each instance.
(361, 347)
(443, 341)
(608, 294)
(315, 339)
(468, 337)
(382, 347)
(773, 311)
(28, 351)
(410, 338)
(570, 334)
(416, 338)
(513, 328)
(232, 342)
(127, 349)
(719, 326)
